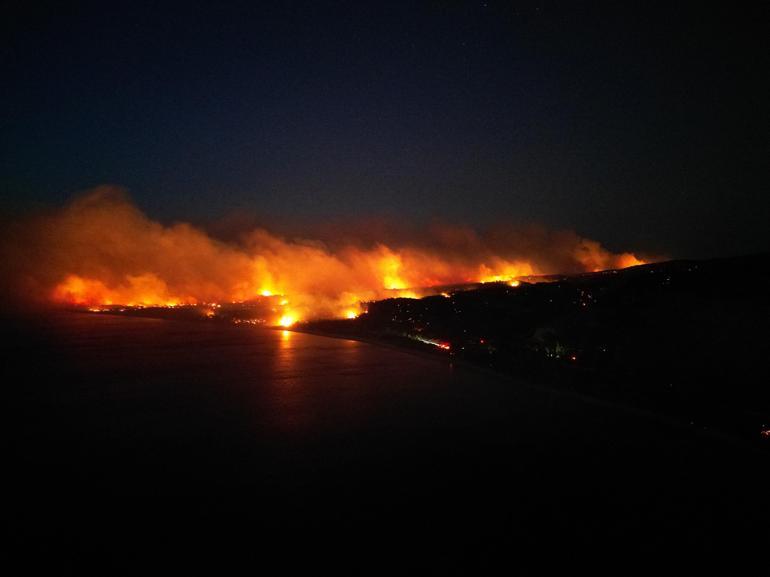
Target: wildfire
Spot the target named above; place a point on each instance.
(628, 260)
(502, 271)
(390, 266)
(100, 251)
(287, 320)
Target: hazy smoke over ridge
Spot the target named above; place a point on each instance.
(100, 249)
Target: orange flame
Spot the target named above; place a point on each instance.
(287, 320)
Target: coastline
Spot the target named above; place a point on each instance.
(402, 344)
(680, 422)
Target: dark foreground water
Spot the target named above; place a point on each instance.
(146, 445)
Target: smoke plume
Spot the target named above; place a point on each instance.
(101, 249)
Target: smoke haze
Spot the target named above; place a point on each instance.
(101, 249)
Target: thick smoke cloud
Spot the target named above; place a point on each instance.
(100, 249)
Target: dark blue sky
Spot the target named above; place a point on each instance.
(644, 127)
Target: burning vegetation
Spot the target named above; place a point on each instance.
(101, 251)
(682, 338)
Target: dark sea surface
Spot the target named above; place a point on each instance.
(143, 445)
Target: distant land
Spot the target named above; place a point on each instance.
(686, 339)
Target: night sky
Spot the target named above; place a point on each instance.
(645, 127)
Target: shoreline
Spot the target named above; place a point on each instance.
(401, 344)
(712, 432)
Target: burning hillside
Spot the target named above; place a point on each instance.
(100, 250)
